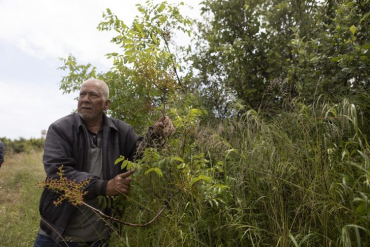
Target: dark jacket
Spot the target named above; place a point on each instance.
(67, 144)
(1, 152)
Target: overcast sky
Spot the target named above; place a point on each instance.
(33, 35)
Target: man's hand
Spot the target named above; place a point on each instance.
(163, 127)
(119, 184)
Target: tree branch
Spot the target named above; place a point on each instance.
(123, 222)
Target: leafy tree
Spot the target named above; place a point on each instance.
(247, 48)
(257, 53)
(230, 59)
(335, 62)
(144, 77)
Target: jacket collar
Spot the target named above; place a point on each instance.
(107, 122)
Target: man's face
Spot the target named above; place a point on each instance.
(91, 102)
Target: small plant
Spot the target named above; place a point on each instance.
(68, 190)
(73, 192)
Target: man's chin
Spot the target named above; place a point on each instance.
(87, 117)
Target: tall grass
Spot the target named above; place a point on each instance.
(298, 179)
(19, 198)
(302, 177)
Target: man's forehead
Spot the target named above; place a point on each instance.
(91, 87)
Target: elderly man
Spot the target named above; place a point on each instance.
(87, 144)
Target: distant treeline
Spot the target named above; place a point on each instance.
(22, 145)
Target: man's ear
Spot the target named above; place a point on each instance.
(107, 104)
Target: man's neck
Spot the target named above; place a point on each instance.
(94, 125)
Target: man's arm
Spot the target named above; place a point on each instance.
(58, 151)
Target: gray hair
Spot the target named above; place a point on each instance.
(104, 89)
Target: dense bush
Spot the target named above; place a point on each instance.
(301, 178)
(22, 145)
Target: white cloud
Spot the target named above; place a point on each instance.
(50, 29)
(35, 33)
(55, 28)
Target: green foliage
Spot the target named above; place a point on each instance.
(22, 145)
(248, 49)
(184, 182)
(299, 179)
(145, 73)
(286, 160)
(336, 61)
(259, 53)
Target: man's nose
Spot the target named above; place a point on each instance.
(86, 98)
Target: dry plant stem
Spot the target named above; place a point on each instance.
(166, 204)
(173, 62)
(61, 237)
(123, 222)
(164, 105)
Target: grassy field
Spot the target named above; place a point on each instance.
(19, 198)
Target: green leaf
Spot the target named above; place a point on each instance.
(365, 17)
(363, 208)
(121, 158)
(129, 46)
(366, 46)
(156, 170)
(201, 177)
(181, 166)
(222, 186)
(334, 59)
(353, 29)
(162, 19)
(129, 52)
(138, 27)
(129, 165)
(346, 70)
(154, 39)
(195, 113)
(177, 159)
(124, 164)
(128, 41)
(161, 7)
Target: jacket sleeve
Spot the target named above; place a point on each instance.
(58, 151)
(133, 141)
(1, 153)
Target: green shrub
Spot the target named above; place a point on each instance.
(22, 145)
(301, 178)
